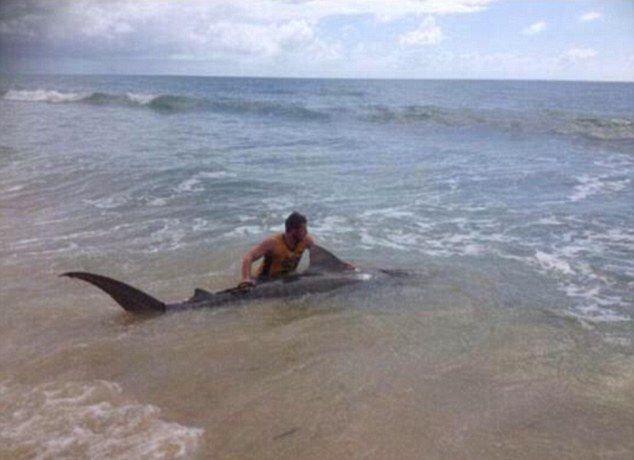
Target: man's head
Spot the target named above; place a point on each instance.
(296, 226)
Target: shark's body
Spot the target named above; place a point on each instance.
(325, 273)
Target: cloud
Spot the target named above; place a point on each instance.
(103, 13)
(590, 16)
(535, 29)
(428, 33)
(199, 28)
(579, 54)
(266, 40)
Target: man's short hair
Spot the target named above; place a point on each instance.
(295, 220)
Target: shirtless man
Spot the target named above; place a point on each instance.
(281, 252)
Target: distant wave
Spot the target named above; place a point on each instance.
(602, 128)
(266, 108)
(593, 127)
(167, 103)
(414, 114)
(342, 92)
(97, 98)
(41, 95)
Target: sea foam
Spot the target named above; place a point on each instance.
(196, 182)
(593, 185)
(41, 95)
(87, 420)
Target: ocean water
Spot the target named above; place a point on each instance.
(510, 203)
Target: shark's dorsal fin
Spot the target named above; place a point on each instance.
(130, 298)
(322, 260)
(200, 295)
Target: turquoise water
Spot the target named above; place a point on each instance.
(510, 201)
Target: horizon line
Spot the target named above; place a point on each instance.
(277, 77)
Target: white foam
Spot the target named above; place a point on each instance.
(593, 185)
(567, 260)
(168, 237)
(246, 230)
(587, 186)
(582, 282)
(331, 225)
(110, 202)
(200, 224)
(41, 95)
(157, 202)
(615, 162)
(551, 220)
(425, 237)
(195, 183)
(390, 213)
(88, 420)
(619, 236)
(190, 185)
(596, 314)
(371, 241)
(281, 204)
(142, 99)
(474, 249)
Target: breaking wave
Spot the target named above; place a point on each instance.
(41, 95)
(593, 127)
(168, 103)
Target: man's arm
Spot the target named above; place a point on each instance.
(255, 253)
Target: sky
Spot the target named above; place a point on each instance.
(455, 39)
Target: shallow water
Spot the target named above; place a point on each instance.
(509, 203)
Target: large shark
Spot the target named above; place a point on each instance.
(325, 273)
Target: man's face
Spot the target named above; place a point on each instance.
(298, 233)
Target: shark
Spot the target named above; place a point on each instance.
(326, 272)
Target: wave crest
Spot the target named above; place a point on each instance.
(170, 103)
(41, 95)
(603, 128)
(600, 128)
(410, 114)
(594, 127)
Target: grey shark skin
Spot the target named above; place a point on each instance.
(325, 273)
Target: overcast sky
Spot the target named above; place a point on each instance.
(519, 39)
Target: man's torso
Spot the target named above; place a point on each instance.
(281, 260)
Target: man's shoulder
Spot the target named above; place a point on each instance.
(272, 239)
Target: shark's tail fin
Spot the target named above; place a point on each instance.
(130, 298)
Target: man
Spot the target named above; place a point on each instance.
(281, 252)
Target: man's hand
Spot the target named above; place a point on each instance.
(246, 284)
